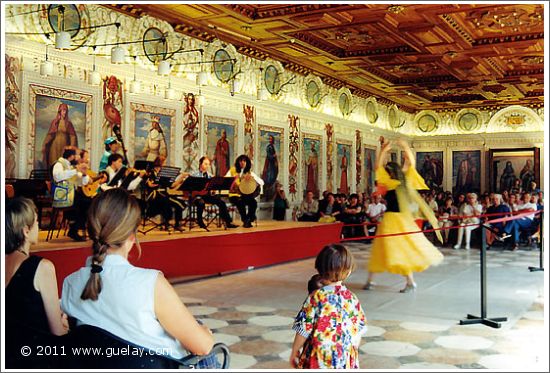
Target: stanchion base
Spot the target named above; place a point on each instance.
(535, 269)
(493, 322)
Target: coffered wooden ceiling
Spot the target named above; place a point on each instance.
(431, 56)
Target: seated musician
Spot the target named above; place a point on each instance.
(201, 200)
(157, 199)
(117, 174)
(68, 177)
(242, 173)
(111, 147)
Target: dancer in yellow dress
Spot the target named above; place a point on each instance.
(401, 254)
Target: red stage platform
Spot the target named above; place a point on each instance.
(207, 253)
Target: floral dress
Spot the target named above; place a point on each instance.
(333, 322)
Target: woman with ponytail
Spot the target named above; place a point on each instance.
(135, 304)
(407, 253)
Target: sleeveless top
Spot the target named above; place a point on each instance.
(24, 303)
(125, 306)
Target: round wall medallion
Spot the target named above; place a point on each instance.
(426, 122)
(344, 104)
(372, 114)
(272, 79)
(223, 65)
(393, 118)
(313, 93)
(155, 50)
(70, 20)
(468, 120)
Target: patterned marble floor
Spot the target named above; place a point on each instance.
(253, 311)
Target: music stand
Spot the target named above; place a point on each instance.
(190, 185)
(167, 175)
(220, 183)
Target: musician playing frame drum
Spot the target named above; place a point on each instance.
(246, 187)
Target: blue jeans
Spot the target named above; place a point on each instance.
(513, 227)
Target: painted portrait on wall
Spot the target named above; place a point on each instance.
(269, 157)
(152, 137)
(59, 122)
(152, 133)
(343, 152)
(369, 159)
(466, 171)
(430, 166)
(220, 144)
(514, 169)
(311, 164)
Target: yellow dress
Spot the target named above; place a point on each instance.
(409, 253)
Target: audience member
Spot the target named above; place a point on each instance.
(308, 208)
(329, 209)
(280, 203)
(469, 213)
(32, 303)
(447, 211)
(136, 304)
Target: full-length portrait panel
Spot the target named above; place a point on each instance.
(270, 148)
(312, 162)
(466, 171)
(58, 118)
(221, 138)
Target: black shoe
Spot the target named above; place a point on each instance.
(231, 225)
(75, 236)
(247, 224)
(203, 226)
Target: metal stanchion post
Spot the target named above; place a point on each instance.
(541, 265)
(471, 319)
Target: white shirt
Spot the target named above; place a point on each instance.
(528, 206)
(133, 184)
(376, 210)
(125, 307)
(63, 170)
(468, 211)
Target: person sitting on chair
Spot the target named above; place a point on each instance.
(202, 200)
(241, 171)
(116, 173)
(309, 208)
(135, 304)
(32, 303)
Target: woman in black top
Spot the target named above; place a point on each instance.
(280, 203)
(32, 300)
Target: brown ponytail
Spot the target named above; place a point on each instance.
(113, 216)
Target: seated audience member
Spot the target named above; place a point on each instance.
(469, 217)
(514, 227)
(309, 208)
(485, 203)
(32, 303)
(512, 203)
(136, 304)
(446, 212)
(329, 209)
(375, 211)
(502, 210)
(353, 214)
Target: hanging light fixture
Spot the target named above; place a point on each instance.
(200, 99)
(118, 54)
(94, 78)
(46, 66)
(169, 92)
(201, 76)
(164, 68)
(261, 94)
(62, 37)
(135, 85)
(235, 85)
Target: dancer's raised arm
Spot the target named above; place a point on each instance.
(410, 160)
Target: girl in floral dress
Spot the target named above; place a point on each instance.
(331, 322)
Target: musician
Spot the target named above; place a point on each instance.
(67, 177)
(200, 201)
(242, 173)
(157, 199)
(111, 147)
(117, 173)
